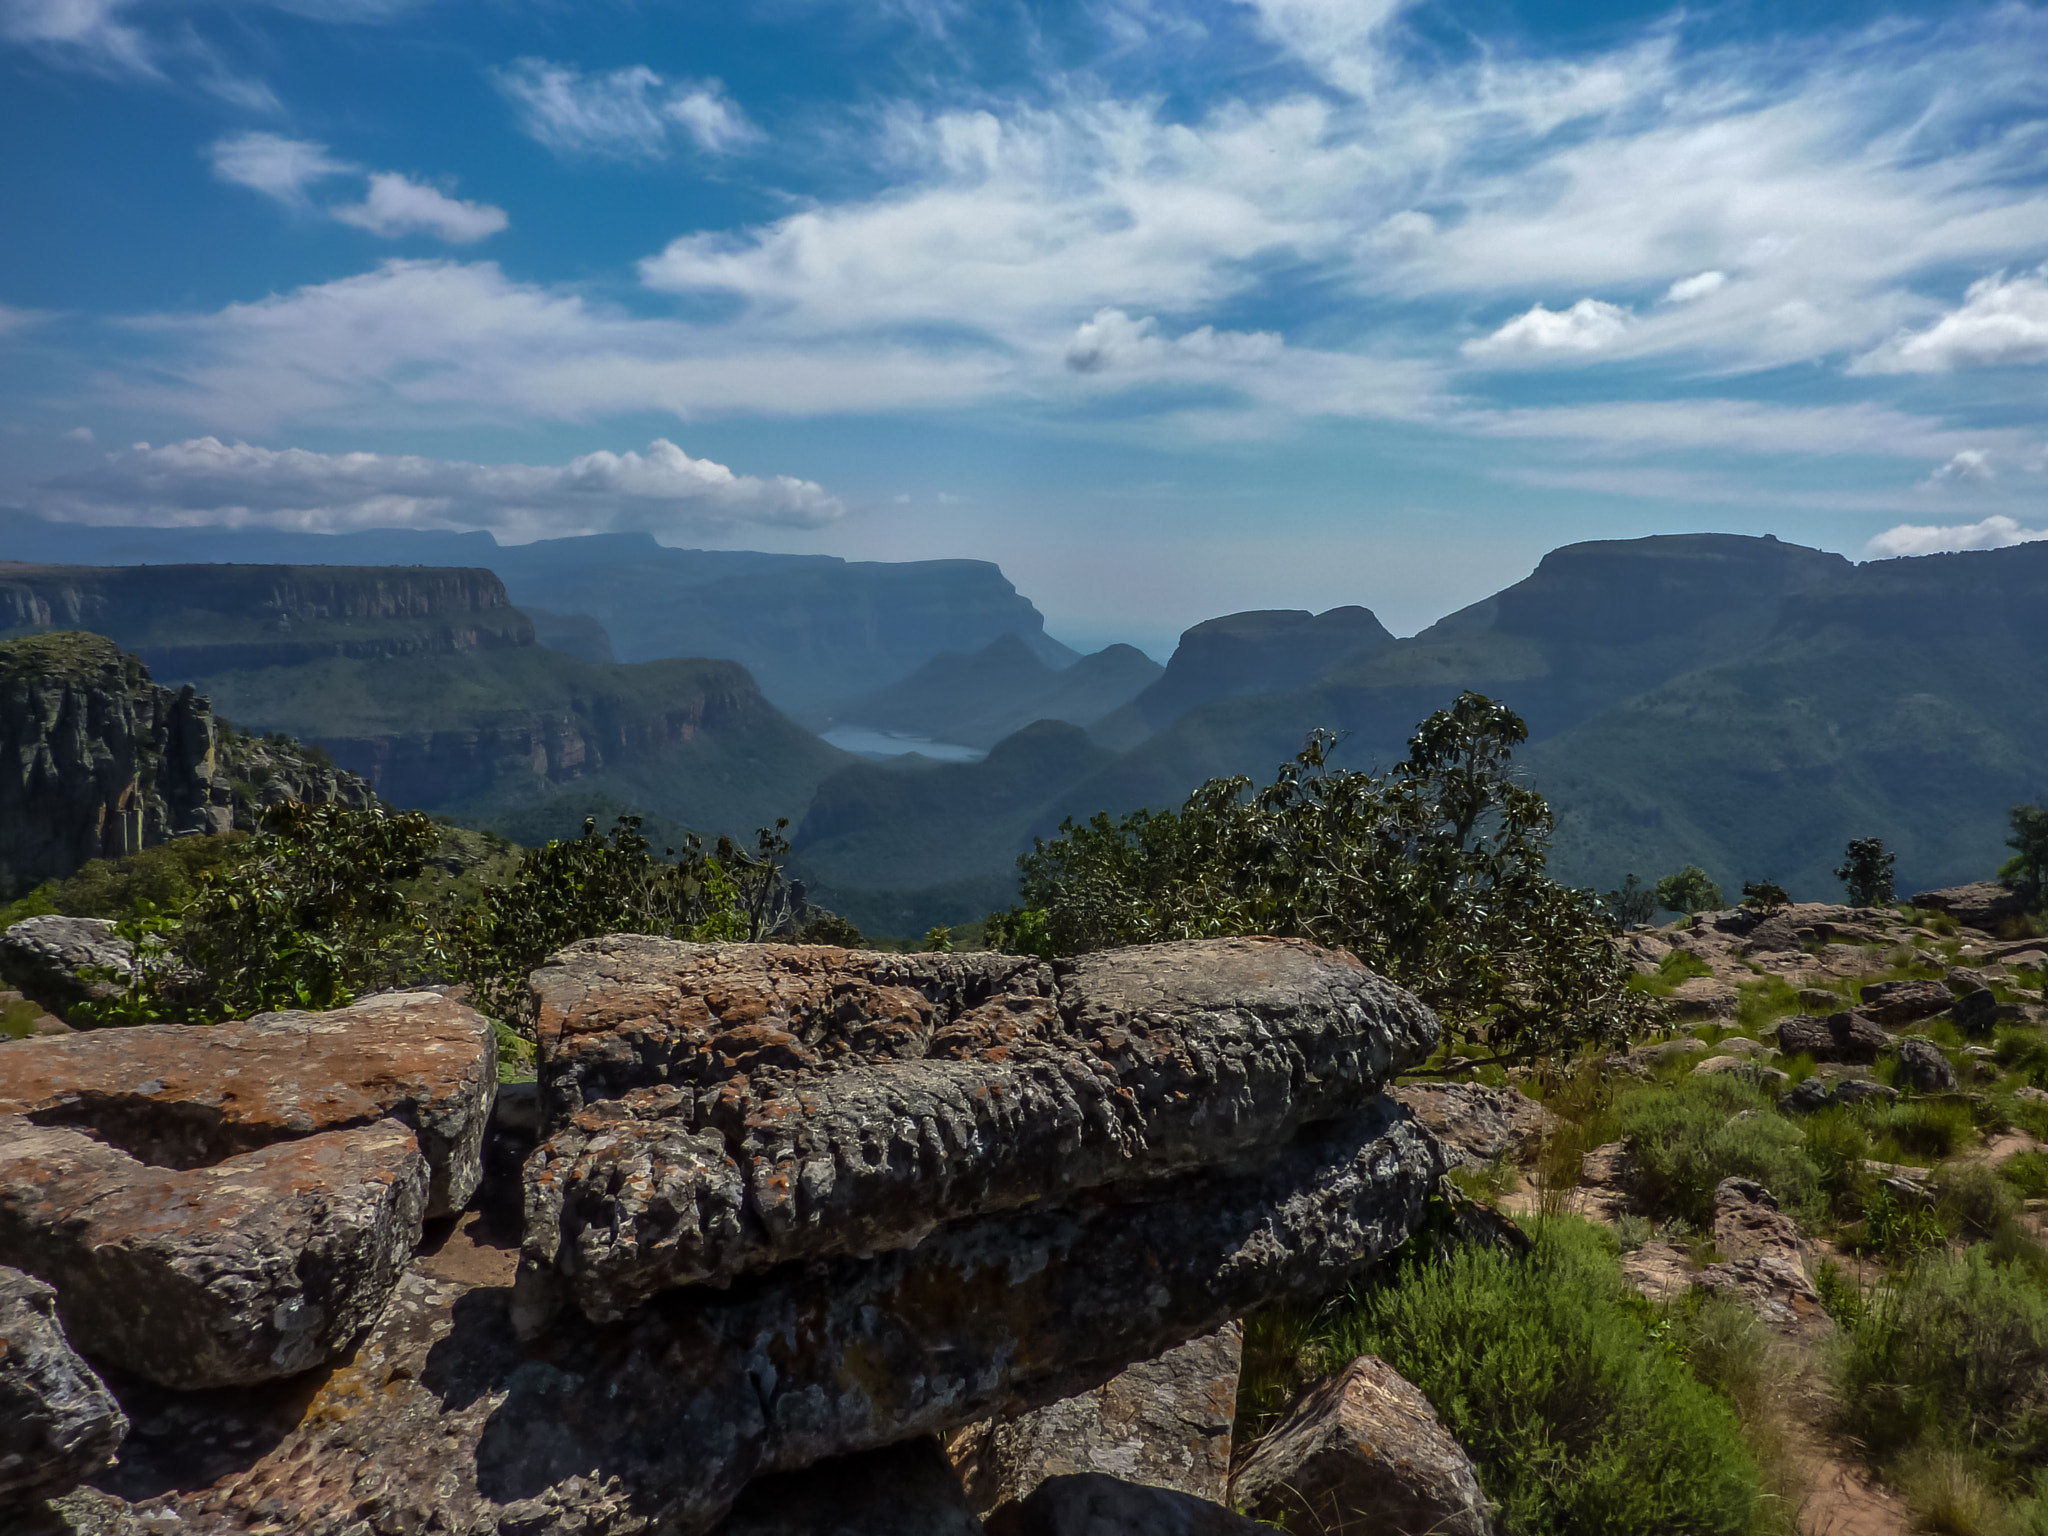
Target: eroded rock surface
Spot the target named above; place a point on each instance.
(717, 1109)
(1165, 1423)
(1479, 1124)
(1924, 1067)
(1904, 1002)
(173, 1096)
(1364, 1452)
(64, 961)
(1761, 1260)
(441, 1420)
(58, 1422)
(260, 1266)
(1846, 1037)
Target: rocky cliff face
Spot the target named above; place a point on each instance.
(189, 620)
(97, 761)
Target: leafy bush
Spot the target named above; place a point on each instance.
(2027, 870)
(1690, 1136)
(1690, 890)
(1952, 1353)
(1432, 875)
(167, 876)
(1551, 1373)
(1631, 905)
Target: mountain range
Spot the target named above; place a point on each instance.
(1741, 703)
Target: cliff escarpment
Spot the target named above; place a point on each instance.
(185, 621)
(97, 761)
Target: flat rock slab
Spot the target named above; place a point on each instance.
(443, 1421)
(1904, 1002)
(1364, 1451)
(58, 1421)
(1166, 1423)
(179, 1096)
(718, 1109)
(261, 1266)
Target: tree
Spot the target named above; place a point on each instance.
(1866, 873)
(1762, 896)
(1432, 874)
(2027, 870)
(1631, 905)
(1689, 891)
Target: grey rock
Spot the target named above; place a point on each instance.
(46, 958)
(258, 1267)
(1479, 1124)
(1096, 1504)
(1977, 905)
(1165, 1423)
(1977, 1012)
(442, 1419)
(1806, 1097)
(717, 1109)
(1364, 1451)
(1895, 1003)
(58, 1422)
(1848, 1037)
(1923, 1066)
(902, 1490)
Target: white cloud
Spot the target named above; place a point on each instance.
(2003, 322)
(274, 165)
(86, 32)
(398, 206)
(1997, 532)
(77, 435)
(1338, 39)
(14, 319)
(1971, 466)
(1686, 289)
(629, 113)
(204, 480)
(1113, 341)
(1588, 326)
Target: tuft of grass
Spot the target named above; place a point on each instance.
(1764, 1002)
(1953, 1493)
(1690, 1136)
(1837, 1144)
(1920, 1130)
(2027, 1172)
(1680, 965)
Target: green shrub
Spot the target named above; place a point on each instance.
(167, 876)
(2027, 1172)
(1929, 1128)
(1973, 1202)
(1951, 1353)
(1701, 1130)
(1552, 1374)
(1837, 1144)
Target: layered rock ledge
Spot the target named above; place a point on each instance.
(714, 1110)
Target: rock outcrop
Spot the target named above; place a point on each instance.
(51, 959)
(903, 1490)
(1479, 1124)
(97, 761)
(234, 1204)
(1165, 1423)
(58, 1422)
(1363, 1452)
(1843, 1036)
(1762, 1264)
(1896, 1003)
(1982, 904)
(716, 1109)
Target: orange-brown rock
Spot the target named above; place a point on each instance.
(262, 1265)
(718, 1109)
(179, 1097)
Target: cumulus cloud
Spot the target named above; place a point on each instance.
(394, 205)
(1997, 532)
(631, 113)
(1588, 326)
(1113, 341)
(1972, 466)
(204, 480)
(2003, 322)
(398, 206)
(274, 165)
(1686, 289)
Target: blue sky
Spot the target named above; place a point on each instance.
(1172, 310)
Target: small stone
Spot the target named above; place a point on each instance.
(1923, 1066)
(1364, 1449)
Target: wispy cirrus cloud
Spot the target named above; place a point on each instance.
(204, 480)
(630, 113)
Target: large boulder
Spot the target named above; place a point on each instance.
(1895, 1003)
(1477, 1123)
(1364, 1451)
(1097, 1504)
(442, 1415)
(1980, 904)
(1923, 1067)
(1762, 1264)
(61, 962)
(719, 1109)
(1165, 1423)
(173, 1096)
(58, 1422)
(261, 1266)
(1845, 1037)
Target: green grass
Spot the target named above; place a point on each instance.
(2027, 1172)
(1695, 1133)
(1764, 1002)
(1680, 965)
